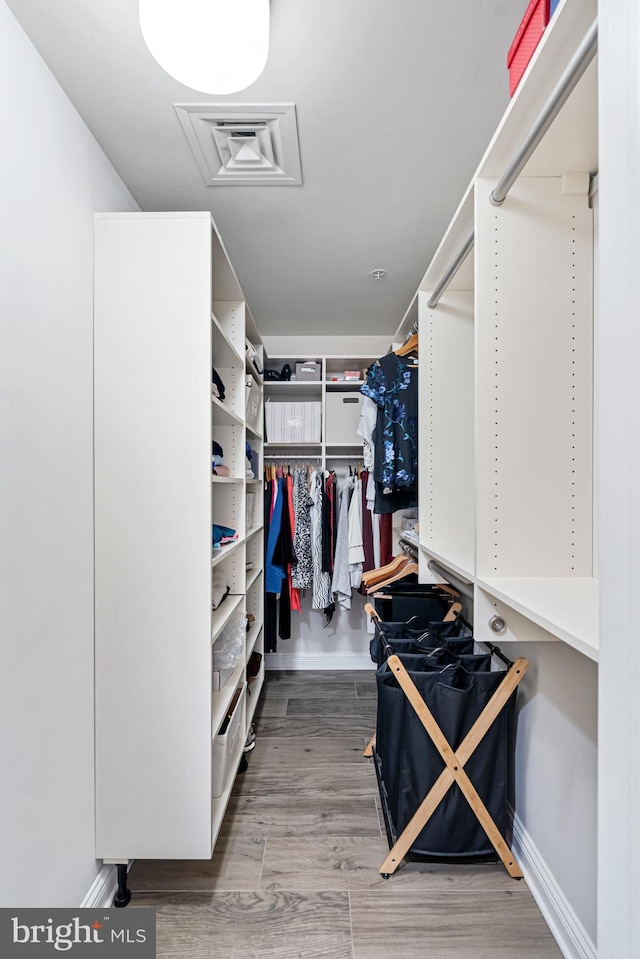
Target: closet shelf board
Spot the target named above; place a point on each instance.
(567, 607)
(253, 531)
(217, 555)
(221, 616)
(254, 482)
(284, 387)
(343, 385)
(252, 638)
(293, 446)
(345, 446)
(464, 573)
(253, 699)
(221, 699)
(221, 415)
(252, 576)
(253, 432)
(220, 803)
(227, 479)
(224, 353)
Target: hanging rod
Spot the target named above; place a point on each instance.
(561, 93)
(563, 89)
(451, 271)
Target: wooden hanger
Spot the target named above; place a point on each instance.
(374, 575)
(409, 347)
(406, 570)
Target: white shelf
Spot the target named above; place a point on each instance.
(252, 576)
(252, 532)
(227, 479)
(344, 385)
(254, 432)
(252, 638)
(446, 561)
(283, 387)
(218, 555)
(567, 607)
(224, 352)
(221, 616)
(221, 415)
(250, 368)
(254, 482)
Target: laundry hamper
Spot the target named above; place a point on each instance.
(444, 752)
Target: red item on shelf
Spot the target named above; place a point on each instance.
(527, 38)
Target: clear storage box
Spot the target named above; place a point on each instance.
(225, 745)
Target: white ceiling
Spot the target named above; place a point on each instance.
(396, 101)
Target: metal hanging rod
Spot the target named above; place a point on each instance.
(451, 270)
(561, 93)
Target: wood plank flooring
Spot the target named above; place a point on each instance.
(295, 872)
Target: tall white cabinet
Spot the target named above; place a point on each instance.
(509, 455)
(507, 370)
(168, 307)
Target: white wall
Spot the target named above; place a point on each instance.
(556, 776)
(53, 176)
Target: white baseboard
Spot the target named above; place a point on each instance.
(571, 936)
(317, 661)
(103, 889)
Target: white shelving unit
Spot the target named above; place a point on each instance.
(168, 308)
(339, 442)
(506, 366)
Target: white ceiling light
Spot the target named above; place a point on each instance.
(215, 46)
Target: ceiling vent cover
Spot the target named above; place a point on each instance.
(253, 145)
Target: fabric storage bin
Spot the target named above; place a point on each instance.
(309, 370)
(342, 411)
(293, 422)
(527, 38)
(225, 745)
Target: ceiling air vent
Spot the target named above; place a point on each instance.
(253, 145)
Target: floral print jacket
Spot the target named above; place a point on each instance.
(392, 383)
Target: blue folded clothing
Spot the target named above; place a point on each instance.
(222, 535)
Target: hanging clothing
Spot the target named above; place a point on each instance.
(293, 591)
(356, 545)
(302, 574)
(341, 582)
(367, 526)
(386, 539)
(392, 383)
(273, 570)
(285, 557)
(321, 579)
(366, 428)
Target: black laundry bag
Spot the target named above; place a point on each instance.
(417, 632)
(408, 764)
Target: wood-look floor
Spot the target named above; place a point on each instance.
(295, 872)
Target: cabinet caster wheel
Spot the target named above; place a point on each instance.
(121, 901)
(385, 875)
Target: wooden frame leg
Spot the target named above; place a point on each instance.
(454, 771)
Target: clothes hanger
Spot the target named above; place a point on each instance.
(396, 563)
(407, 570)
(409, 347)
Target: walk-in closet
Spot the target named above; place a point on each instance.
(320, 543)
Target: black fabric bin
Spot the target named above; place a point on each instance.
(408, 598)
(421, 635)
(408, 764)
